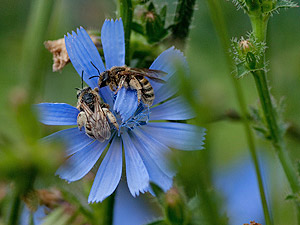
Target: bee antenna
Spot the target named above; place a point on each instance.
(77, 89)
(95, 67)
(82, 80)
(93, 77)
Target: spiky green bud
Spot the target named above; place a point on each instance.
(251, 60)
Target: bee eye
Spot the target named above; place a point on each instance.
(78, 94)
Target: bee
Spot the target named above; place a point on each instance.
(94, 114)
(134, 78)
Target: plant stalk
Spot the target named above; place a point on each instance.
(259, 26)
(33, 45)
(109, 210)
(125, 10)
(15, 209)
(220, 25)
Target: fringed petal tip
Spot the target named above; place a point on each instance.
(61, 177)
(180, 136)
(113, 43)
(84, 55)
(114, 21)
(169, 62)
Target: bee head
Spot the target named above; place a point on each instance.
(104, 78)
(82, 91)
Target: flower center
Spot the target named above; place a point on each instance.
(139, 118)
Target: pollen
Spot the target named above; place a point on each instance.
(141, 117)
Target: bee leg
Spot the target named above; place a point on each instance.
(112, 85)
(81, 120)
(135, 84)
(104, 105)
(111, 117)
(121, 83)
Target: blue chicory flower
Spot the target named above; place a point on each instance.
(146, 143)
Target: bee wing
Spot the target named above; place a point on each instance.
(99, 124)
(152, 74)
(102, 126)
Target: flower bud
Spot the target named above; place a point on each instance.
(175, 207)
(155, 23)
(245, 46)
(251, 60)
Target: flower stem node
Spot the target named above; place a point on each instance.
(253, 5)
(267, 6)
(246, 54)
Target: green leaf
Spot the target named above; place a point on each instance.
(285, 4)
(151, 7)
(240, 4)
(290, 197)
(138, 28)
(163, 14)
(242, 70)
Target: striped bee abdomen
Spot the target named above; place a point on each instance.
(147, 91)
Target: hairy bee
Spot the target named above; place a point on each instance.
(94, 114)
(123, 76)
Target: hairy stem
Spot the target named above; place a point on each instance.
(125, 10)
(259, 25)
(182, 21)
(219, 21)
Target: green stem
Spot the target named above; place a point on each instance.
(15, 210)
(259, 25)
(125, 10)
(33, 45)
(182, 21)
(109, 210)
(220, 24)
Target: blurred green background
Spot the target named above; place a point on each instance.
(226, 144)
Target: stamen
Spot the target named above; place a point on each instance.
(140, 117)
